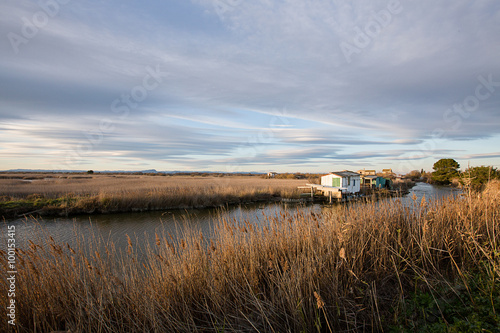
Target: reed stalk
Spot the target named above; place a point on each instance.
(342, 270)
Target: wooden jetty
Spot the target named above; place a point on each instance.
(331, 192)
(339, 194)
(345, 185)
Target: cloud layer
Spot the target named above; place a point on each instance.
(248, 85)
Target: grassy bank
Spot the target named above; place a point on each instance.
(75, 194)
(372, 267)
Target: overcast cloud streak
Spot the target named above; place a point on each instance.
(257, 85)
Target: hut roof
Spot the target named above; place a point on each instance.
(345, 173)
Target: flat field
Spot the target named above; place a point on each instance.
(55, 185)
(53, 194)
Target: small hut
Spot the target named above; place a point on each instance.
(346, 181)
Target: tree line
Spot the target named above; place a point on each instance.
(446, 170)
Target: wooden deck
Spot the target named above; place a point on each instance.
(333, 193)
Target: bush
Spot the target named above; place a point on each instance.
(477, 177)
(414, 175)
(470, 306)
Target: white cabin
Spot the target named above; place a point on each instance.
(346, 181)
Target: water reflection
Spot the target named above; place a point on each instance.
(429, 192)
(141, 226)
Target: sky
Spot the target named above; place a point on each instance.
(249, 86)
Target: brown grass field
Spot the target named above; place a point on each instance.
(52, 194)
(360, 268)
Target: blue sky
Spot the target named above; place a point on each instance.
(239, 85)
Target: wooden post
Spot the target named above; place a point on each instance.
(330, 196)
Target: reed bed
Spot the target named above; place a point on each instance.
(105, 193)
(350, 270)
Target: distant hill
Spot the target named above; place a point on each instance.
(122, 171)
(78, 171)
(42, 170)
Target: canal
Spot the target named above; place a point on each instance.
(141, 227)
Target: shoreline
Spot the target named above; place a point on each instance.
(45, 207)
(70, 195)
(71, 206)
(105, 194)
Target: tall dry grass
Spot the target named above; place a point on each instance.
(112, 193)
(56, 186)
(298, 272)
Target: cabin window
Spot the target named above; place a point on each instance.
(348, 181)
(336, 182)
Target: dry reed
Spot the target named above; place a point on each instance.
(123, 193)
(338, 271)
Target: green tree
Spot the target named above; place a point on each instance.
(477, 177)
(445, 170)
(90, 172)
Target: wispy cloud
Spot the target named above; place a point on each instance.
(478, 156)
(260, 78)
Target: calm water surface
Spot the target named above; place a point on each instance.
(141, 227)
(430, 192)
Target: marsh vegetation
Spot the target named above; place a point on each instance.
(373, 267)
(54, 194)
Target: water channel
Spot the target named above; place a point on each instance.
(142, 226)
